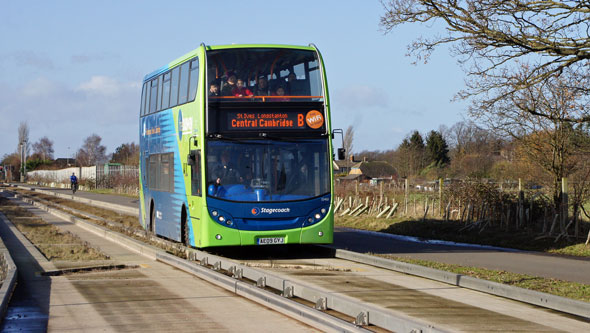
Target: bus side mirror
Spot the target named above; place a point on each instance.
(341, 153)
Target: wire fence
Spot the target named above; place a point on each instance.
(478, 204)
(120, 178)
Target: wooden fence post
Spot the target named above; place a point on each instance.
(440, 191)
(520, 222)
(406, 198)
(564, 204)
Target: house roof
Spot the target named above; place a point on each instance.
(378, 169)
(346, 163)
(351, 177)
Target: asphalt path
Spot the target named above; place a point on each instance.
(523, 262)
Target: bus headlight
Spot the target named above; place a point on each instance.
(221, 219)
(318, 216)
(214, 213)
(323, 210)
(321, 233)
(218, 237)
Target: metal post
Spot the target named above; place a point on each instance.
(25, 157)
(22, 179)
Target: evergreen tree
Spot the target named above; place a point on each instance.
(437, 150)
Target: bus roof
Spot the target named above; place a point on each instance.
(196, 51)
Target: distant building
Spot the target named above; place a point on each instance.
(371, 172)
(61, 163)
(344, 166)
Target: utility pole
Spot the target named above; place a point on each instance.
(23, 160)
(20, 146)
(25, 155)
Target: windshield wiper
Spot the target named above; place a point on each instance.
(277, 138)
(221, 137)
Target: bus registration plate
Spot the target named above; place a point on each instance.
(271, 240)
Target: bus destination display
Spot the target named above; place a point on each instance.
(275, 120)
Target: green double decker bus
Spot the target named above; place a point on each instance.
(236, 147)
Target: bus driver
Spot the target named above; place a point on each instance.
(224, 172)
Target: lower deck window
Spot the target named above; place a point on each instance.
(161, 172)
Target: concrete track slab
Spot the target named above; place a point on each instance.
(447, 307)
(152, 297)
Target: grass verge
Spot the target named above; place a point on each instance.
(111, 191)
(125, 220)
(52, 242)
(121, 223)
(573, 290)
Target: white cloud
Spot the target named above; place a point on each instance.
(362, 96)
(104, 85)
(67, 115)
(40, 87)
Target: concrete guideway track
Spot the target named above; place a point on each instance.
(531, 263)
(151, 297)
(474, 313)
(447, 308)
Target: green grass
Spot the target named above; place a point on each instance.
(111, 191)
(573, 290)
(523, 238)
(52, 242)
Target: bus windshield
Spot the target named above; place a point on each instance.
(263, 74)
(267, 171)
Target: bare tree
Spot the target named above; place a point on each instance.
(44, 148)
(127, 153)
(349, 141)
(552, 143)
(91, 152)
(23, 137)
(492, 38)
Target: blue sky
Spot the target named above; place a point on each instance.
(73, 68)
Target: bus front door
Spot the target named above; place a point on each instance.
(195, 197)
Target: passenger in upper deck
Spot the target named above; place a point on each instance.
(295, 87)
(230, 85)
(262, 87)
(240, 90)
(280, 92)
(214, 89)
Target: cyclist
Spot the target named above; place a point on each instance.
(74, 181)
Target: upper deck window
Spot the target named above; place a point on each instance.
(263, 74)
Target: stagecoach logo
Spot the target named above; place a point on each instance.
(269, 211)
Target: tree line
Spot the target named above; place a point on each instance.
(40, 154)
